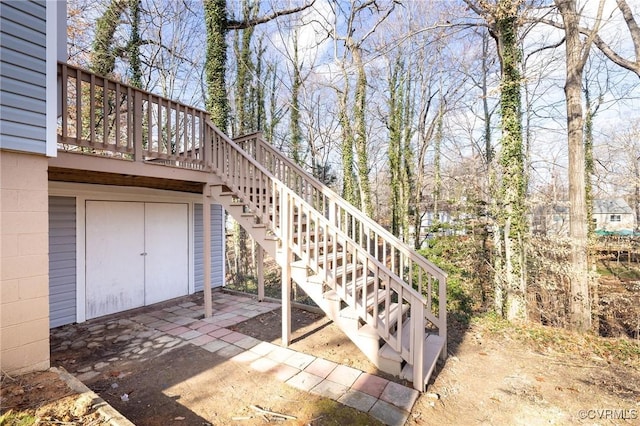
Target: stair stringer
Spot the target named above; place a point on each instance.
(259, 232)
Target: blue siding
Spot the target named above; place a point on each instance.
(23, 76)
(217, 246)
(62, 261)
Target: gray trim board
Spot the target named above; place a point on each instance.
(217, 246)
(62, 261)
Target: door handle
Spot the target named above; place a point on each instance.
(143, 254)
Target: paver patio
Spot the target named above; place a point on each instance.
(171, 326)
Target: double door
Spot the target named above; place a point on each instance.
(136, 255)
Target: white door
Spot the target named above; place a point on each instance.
(167, 248)
(114, 257)
(136, 255)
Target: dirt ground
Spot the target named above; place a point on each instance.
(43, 398)
(496, 374)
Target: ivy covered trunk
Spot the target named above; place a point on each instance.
(215, 62)
(361, 134)
(511, 223)
(349, 180)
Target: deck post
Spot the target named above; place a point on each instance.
(206, 222)
(260, 261)
(286, 268)
(417, 343)
(137, 127)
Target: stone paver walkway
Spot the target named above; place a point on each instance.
(169, 327)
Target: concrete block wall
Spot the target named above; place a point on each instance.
(24, 266)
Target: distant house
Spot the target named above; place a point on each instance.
(613, 215)
(550, 219)
(609, 215)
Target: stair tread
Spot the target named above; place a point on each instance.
(432, 348)
(393, 309)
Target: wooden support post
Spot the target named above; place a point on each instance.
(138, 155)
(286, 303)
(206, 222)
(417, 342)
(286, 268)
(260, 261)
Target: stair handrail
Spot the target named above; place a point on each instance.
(301, 200)
(333, 197)
(416, 300)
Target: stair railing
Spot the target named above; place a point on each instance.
(314, 238)
(415, 271)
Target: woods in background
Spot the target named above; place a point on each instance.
(453, 124)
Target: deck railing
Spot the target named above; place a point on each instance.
(104, 117)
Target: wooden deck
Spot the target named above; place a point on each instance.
(111, 133)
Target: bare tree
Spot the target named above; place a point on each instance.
(577, 53)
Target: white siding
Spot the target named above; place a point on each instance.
(217, 246)
(23, 73)
(62, 261)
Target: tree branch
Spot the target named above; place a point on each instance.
(633, 66)
(627, 14)
(241, 25)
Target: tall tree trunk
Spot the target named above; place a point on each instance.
(394, 124)
(349, 180)
(103, 53)
(361, 134)
(580, 308)
(409, 196)
(215, 12)
(512, 224)
(437, 178)
(296, 133)
(588, 161)
(133, 49)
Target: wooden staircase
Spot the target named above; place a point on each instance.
(387, 299)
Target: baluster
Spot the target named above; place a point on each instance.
(137, 131)
(78, 107)
(92, 110)
(105, 114)
(118, 104)
(64, 99)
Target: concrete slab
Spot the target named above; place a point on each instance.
(344, 375)
(400, 396)
(389, 414)
(299, 360)
(330, 389)
(321, 367)
(215, 346)
(370, 384)
(304, 381)
(247, 343)
(358, 400)
(230, 351)
(245, 357)
(263, 365)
